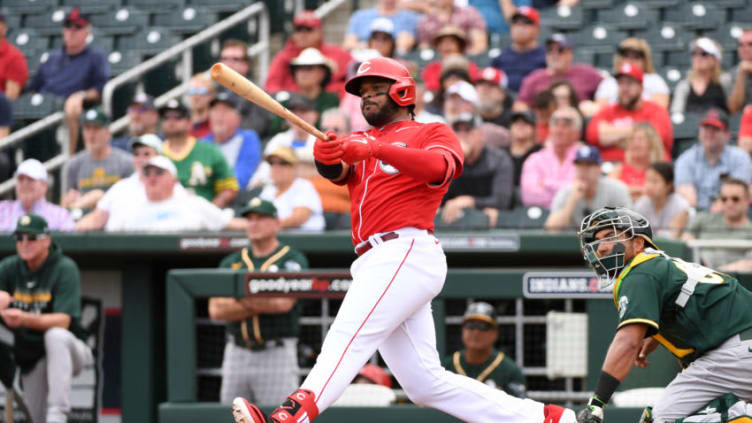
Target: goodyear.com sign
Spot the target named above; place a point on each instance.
(563, 285)
(299, 285)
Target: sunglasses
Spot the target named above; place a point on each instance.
(278, 163)
(463, 127)
(303, 29)
(745, 44)
(173, 116)
(733, 199)
(198, 91)
(477, 325)
(28, 237)
(555, 48)
(701, 53)
(138, 109)
(567, 121)
(521, 20)
(232, 59)
(631, 54)
(151, 170)
(73, 26)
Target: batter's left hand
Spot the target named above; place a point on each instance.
(357, 148)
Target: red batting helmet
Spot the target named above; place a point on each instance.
(403, 89)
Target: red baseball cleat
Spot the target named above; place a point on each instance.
(556, 414)
(245, 412)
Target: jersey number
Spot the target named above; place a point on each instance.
(698, 272)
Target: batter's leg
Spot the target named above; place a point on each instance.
(236, 376)
(410, 352)
(35, 391)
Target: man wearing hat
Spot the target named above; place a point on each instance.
(201, 166)
(612, 125)
(559, 65)
(240, 147)
(13, 68)
(92, 171)
(479, 359)
(522, 143)
(143, 118)
(31, 193)
(263, 332)
(524, 55)
(362, 23)
(699, 170)
(450, 42)
(494, 102)
(741, 74)
(589, 191)
(381, 37)
(438, 14)
(76, 72)
(307, 32)
(40, 302)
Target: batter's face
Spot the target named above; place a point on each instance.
(479, 335)
(378, 109)
(261, 227)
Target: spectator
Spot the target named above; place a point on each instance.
(741, 83)
(479, 359)
(31, 192)
(202, 168)
(524, 55)
(125, 191)
(589, 191)
(643, 148)
(450, 42)
(167, 209)
(42, 307)
(234, 54)
(564, 94)
(381, 37)
(421, 98)
(335, 199)
(559, 65)
(89, 173)
(494, 103)
(307, 32)
(745, 130)
(404, 26)
(263, 332)
(296, 200)
(699, 169)
(75, 72)
(462, 97)
(142, 119)
(610, 128)
(666, 210)
(486, 181)
(241, 148)
(551, 168)
(201, 91)
(373, 374)
(6, 116)
(635, 52)
(544, 105)
(706, 85)
(497, 13)
(522, 142)
(442, 13)
(730, 223)
(13, 69)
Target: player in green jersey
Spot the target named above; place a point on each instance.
(702, 316)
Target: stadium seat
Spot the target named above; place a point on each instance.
(32, 106)
(29, 7)
(154, 6)
(121, 21)
(481, 60)
(735, 121)
(153, 40)
(11, 20)
(731, 4)
(121, 61)
(563, 18)
(727, 36)
(93, 7)
(523, 217)
(599, 4)
(48, 23)
(695, 15)
(672, 75)
(632, 15)
(96, 39)
(661, 4)
(28, 41)
(220, 5)
(189, 20)
(685, 125)
(471, 219)
(666, 36)
(599, 38)
(421, 57)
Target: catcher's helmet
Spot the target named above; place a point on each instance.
(625, 224)
(402, 90)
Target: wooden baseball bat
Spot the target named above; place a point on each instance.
(9, 405)
(243, 87)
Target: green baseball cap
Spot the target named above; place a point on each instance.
(31, 224)
(480, 311)
(257, 205)
(96, 116)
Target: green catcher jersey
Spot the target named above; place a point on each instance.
(688, 308)
(203, 169)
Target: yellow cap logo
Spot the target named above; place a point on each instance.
(25, 220)
(255, 202)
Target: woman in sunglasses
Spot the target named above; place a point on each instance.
(706, 86)
(635, 51)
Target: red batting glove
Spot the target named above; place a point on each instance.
(328, 152)
(357, 148)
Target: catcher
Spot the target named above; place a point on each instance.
(701, 316)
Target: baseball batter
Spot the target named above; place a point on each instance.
(397, 174)
(702, 316)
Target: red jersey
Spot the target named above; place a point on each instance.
(383, 199)
(12, 65)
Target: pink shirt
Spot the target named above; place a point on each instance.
(58, 218)
(543, 174)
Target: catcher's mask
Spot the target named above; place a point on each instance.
(625, 225)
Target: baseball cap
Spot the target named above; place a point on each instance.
(376, 375)
(707, 45)
(465, 90)
(588, 154)
(96, 116)
(143, 99)
(382, 25)
(163, 162)
(629, 70)
(307, 18)
(494, 76)
(526, 115)
(470, 118)
(31, 224)
(717, 118)
(310, 56)
(480, 311)
(173, 105)
(75, 17)
(259, 205)
(559, 39)
(32, 168)
(295, 101)
(287, 154)
(527, 12)
(149, 140)
(227, 98)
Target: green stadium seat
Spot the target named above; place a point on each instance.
(686, 125)
(421, 57)
(735, 121)
(731, 4)
(11, 20)
(220, 5)
(93, 7)
(189, 20)
(632, 15)
(33, 106)
(155, 6)
(672, 75)
(599, 4)
(29, 7)
(28, 41)
(661, 4)
(522, 217)
(727, 36)
(562, 18)
(472, 219)
(48, 23)
(97, 39)
(666, 36)
(695, 15)
(153, 40)
(121, 61)
(481, 60)
(599, 38)
(121, 21)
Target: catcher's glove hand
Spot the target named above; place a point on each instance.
(593, 413)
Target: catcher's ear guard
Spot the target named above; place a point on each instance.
(647, 415)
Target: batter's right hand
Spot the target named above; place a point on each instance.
(328, 152)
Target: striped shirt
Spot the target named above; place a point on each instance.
(58, 218)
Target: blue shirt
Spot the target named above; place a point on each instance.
(491, 12)
(693, 168)
(246, 148)
(64, 75)
(360, 22)
(518, 65)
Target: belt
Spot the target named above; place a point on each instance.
(366, 245)
(271, 343)
(745, 335)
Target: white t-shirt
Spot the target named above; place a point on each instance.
(303, 151)
(652, 84)
(301, 194)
